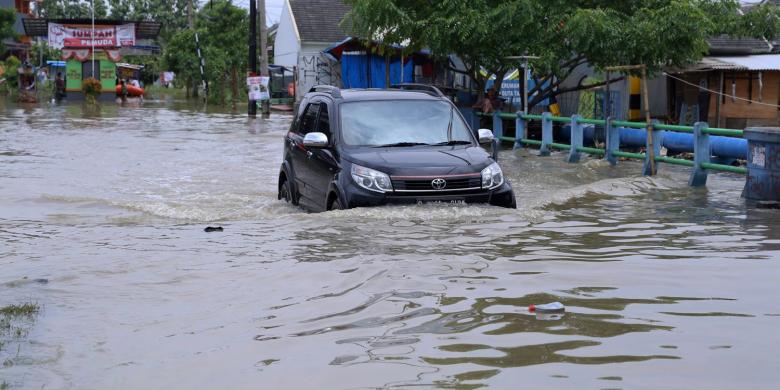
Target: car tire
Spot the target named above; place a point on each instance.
(336, 205)
(284, 192)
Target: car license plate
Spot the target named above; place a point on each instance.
(457, 201)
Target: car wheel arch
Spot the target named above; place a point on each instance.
(286, 175)
(334, 192)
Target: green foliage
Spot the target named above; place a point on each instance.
(223, 29)
(49, 53)
(564, 33)
(71, 9)
(7, 19)
(11, 75)
(92, 89)
(25, 309)
(180, 56)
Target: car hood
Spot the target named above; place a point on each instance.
(439, 160)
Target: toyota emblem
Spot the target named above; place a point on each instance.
(438, 184)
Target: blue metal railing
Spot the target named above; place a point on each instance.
(701, 139)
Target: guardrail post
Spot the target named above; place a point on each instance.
(612, 142)
(476, 123)
(498, 125)
(547, 134)
(701, 154)
(576, 139)
(520, 130)
(657, 141)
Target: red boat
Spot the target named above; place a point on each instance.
(132, 90)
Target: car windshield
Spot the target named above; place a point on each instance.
(402, 123)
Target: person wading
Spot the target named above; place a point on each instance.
(59, 87)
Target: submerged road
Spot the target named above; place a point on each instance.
(101, 223)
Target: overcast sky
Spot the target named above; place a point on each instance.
(273, 8)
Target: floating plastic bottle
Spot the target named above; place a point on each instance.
(554, 307)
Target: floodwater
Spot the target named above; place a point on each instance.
(665, 286)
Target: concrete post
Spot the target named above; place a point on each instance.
(657, 141)
(475, 121)
(498, 126)
(520, 130)
(576, 139)
(547, 134)
(763, 164)
(701, 154)
(612, 143)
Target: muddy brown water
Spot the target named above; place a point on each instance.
(665, 286)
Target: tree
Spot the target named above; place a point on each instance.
(565, 34)
(180, 56)
(223, 29)
(7, 19)
(71, 9)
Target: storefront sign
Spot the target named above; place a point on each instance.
(81, 36)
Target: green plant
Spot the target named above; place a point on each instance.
(92, 89)
(11, 73)
(26, 309)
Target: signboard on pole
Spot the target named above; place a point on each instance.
(258, 87)
(81, 36)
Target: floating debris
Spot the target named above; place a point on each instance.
(554, 307)
(210, 229)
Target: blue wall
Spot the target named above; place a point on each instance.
(355, 71)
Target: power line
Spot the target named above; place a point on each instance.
(720, 93)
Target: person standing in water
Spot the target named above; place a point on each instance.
(59, 87)
(123, 90)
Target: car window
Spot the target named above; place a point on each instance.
(387, 122)
(309, 119)
(323, 125)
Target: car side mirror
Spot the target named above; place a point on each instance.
(315, 140)
(485, 136)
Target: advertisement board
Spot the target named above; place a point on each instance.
(83, 36)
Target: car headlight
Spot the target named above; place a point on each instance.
(370, 179)
(492, 176)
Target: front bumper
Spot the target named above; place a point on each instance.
(502, 196)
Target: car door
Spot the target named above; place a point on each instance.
(322, 163)
(300, 155)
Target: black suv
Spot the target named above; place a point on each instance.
(367, 147)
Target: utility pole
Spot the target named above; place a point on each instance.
(252, 51)
(93, 39)
(190, 20)
(266, 106)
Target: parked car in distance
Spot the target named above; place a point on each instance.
(369, 147)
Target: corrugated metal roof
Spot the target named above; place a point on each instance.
(754, 62)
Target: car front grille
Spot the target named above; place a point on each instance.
(453, 184)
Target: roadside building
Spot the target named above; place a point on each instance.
(306, 28)
(20, 46)
(736, 86)
(91, 55)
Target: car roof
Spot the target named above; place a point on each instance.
(358, 94)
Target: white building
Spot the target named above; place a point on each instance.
(306, 28)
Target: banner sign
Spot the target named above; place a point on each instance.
(258, 87)
(81, 36)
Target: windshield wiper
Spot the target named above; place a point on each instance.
(453, 142)
(400, 144)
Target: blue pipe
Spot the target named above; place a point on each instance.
(675, 142)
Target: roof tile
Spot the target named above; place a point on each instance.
(319, 20)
